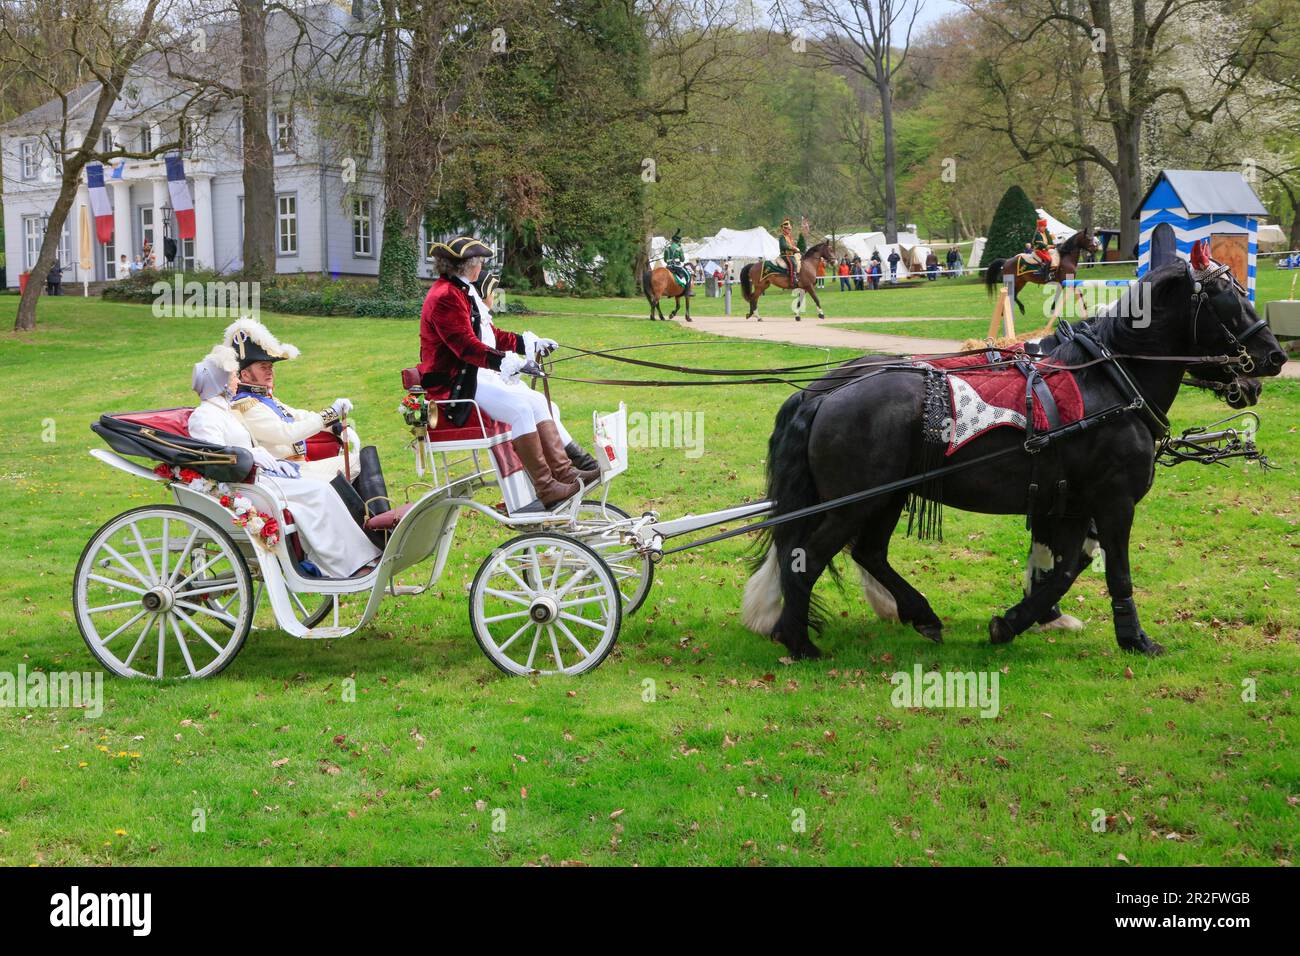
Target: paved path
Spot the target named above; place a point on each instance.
(824, 334)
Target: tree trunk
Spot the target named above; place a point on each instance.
(26, 320)
(259, 161)
(887, 122)
(1128, 135)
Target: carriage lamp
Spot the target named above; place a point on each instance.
(167, 218)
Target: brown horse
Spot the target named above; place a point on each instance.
(1026, 266)
(659, 282)
(754, 280)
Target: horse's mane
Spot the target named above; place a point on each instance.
(1154, 295)
(1072, 241)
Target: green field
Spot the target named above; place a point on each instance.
(963, 298)
(735, 758)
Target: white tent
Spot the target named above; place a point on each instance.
(756, 243)
(912, 252)
(1058, 229)
(1271, 234)
(976, 253)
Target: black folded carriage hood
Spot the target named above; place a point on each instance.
(143, 435)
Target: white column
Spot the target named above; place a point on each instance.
(205, 256)
(123, 241)
(160, 198)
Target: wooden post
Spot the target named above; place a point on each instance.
(1008, 316)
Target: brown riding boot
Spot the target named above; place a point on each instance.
(549, 490)
(558, 459)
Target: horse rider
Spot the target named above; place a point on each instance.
(463, 358)
(486, 286)
(1045, 249)
(789, 248)
(279, 428)
(336, 546)
(675, 260)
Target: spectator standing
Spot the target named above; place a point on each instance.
(894, 260)
(875, 272)
(136, 266)
(954, 262)
(931, 266)
(844, 272)
(54, 281)
(857, 273)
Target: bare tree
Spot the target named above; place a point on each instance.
(870, 38)
(98, 44)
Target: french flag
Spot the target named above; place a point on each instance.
(99, 203)
(182, 204)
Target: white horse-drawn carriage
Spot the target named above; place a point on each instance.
(172, 590)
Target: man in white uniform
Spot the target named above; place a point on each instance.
(279, 428)
(334, 543)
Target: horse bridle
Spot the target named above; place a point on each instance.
(1226, 305)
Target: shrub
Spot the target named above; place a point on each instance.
(1012, 226)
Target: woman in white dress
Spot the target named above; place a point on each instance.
(334, 543)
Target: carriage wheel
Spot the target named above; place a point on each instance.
(545, 604)
(147, 607)
(634, 572)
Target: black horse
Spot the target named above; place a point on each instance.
(845, 434)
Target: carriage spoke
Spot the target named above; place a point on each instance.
(139, 641)
(111, 607)
(576, 602)
(594, 625)
(506, 596)
(576, 643)
(184, 553)
(185, 650)
(555, 648)
(162, 643)
(198, 630)
(144, 552)
(211, 589)
(166, 546)
(504, 617)
(122, 627)
(115, 583)
(511, 639)
(532, 651)
(573, 581)
(200, 609)
(199, 570)
(127, 566)
(505, 566)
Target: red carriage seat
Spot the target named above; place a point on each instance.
(172, 420)
(479, 428)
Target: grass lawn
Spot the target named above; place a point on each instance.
(963, 298)
(692, 743)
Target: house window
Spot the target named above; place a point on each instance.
(33, 233)
(237, 133)
(106, 141)
(283, 132)
(30, 159)
(146, 139)
(185, 255)
(147, 234)
(361, 226)
(189, 134)
(429, 240)
(287, 224)
(110, 259)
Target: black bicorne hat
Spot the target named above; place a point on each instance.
(677, 236)
(253, 342)
(486, 284)
(462, 247)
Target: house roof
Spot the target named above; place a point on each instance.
(51, 113)
(1205, 192)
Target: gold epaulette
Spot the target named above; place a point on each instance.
(242, 404)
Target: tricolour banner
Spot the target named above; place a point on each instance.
(99, 203)
(182, 204)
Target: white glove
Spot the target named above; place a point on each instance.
(343, 406)
(264, 459)
(535, 347)
(512, 364)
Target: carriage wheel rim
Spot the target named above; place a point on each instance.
(634, 571)
(152, 584)
(545, 604)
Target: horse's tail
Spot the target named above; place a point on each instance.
(746, 287)
(993, 275)
(645, 285)
(790, 486)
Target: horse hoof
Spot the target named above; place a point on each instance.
(1142, 645)
(931, 632)
(821, 315)
(1000, 631)
(1063, 622)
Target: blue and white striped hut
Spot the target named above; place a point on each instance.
(1184, 206)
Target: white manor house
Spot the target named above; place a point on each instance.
(328, 215)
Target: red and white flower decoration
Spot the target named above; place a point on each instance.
(260, 525)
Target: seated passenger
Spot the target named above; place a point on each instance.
(463, 357)
(279, 428)
(334, 543)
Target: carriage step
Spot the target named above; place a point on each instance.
(326, 633)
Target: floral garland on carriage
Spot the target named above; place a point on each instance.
(263, 528)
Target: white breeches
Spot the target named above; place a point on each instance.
(330, 537)
(517, 405)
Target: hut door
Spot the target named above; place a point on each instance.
(1164, 246)
(1232, 250)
